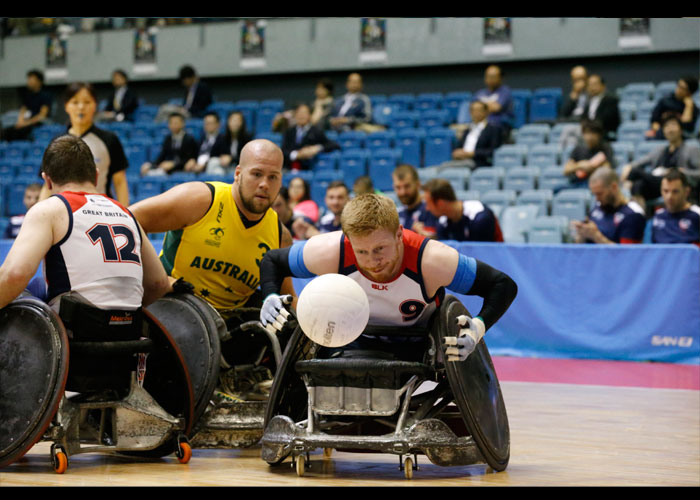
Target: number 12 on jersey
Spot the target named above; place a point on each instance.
(106, 235)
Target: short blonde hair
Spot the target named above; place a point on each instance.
(367, 213)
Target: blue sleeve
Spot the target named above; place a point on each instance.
(296, 261)
(464, 276)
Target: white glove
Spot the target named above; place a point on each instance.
(459, 348)
(273, 315)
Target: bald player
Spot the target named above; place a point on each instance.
(218, 233)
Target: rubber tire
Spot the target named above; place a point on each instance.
(60, 462)
(300, 463)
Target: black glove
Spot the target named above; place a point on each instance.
(182, 286)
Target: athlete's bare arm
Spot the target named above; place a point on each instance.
(46, 223)
(178, 207)
(322, 253)
(155, 280)
(439, 265)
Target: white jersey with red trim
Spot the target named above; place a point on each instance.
(402, 301)
(100, 256)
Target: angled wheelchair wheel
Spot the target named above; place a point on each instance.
(476, 390)
(194, 325)
(168, 382)
(33, 373)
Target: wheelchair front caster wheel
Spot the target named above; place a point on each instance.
(59, 460)
(408, 467)
(300, 465)
(327, 453)
(184, 452)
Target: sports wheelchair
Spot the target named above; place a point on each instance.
(370, 401)
(81, 380)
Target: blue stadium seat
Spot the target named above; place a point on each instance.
(351, 139)
(434, 118)
(628, 110)
(438, 146)
(265, 118)
(516, 221)
(27, 169)
(546, 229)
(410, 141)
(555, 132)
(453, 101)
(572, 203)
(17, 149)
(644, 148)
(404, 119)
(498, 198)
(623, 151)
(532, 134)
(632, 131)
(521, 178)
(469, 194)
(521, 106)
(182, 177)
(543, 155)
(382, 162)
(376, 99)
(307, 175)
(664, 89)
(458, 177)
(205, 177)
(148, 187)
(485, 179)
(276, 105)
(328, 176)
(428, 100)
(353, 164)
(15, 197)
(542, 198)
(427, 173)
(380, 140)
(43, 134)
(326, 161)
(383, 113)
(403, 101)
(510, 155)
(318, 192)
(644, 111)
(4, 222)
(638, 92)
(544, 104)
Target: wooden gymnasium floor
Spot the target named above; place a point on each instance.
(573, 423)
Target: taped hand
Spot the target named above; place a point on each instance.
(470, 333)
(273, 315)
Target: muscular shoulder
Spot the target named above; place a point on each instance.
(322, 253)
(438, 265)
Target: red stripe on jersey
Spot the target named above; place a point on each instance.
(411, 250)
(627, 241)
(75, 200)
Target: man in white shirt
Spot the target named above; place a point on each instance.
(479, 140)
(354, 108)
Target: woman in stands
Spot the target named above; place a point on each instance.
(300, 200)
(80, 103)
(323, 104)
(227, 149)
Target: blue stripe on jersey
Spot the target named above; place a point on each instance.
(296, 261)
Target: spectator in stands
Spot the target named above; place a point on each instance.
(679, 220)
(363, 185)
(479, 140)
(459, 220)
(613, 219)
(592, 152)
(304, 141)
(352, 110)
(300, 200)
(575, 101)
(681, 102)
(31, 196)
(601, 106)
(123, 101)
(198, 96)
(323, 104)
(645, 184)
(211, 133)
(498, 98)
(80, 104)
(413, 213)
(35, 108)
(226, 151)
(337, 196)
(284, 211)
(177, 149)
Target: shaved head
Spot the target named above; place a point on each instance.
(258, 177)
(261, 150)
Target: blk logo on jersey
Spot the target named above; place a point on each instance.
(380, 287)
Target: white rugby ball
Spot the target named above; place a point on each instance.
(333, 310)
